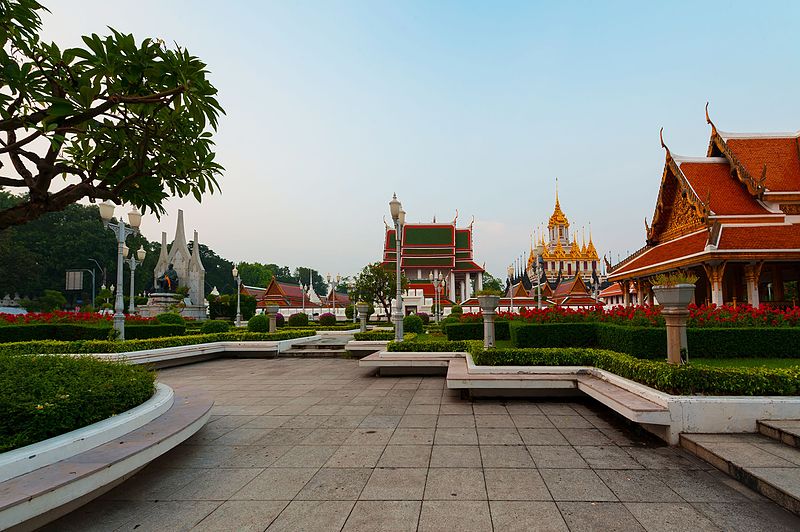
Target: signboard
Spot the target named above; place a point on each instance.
(74, 280)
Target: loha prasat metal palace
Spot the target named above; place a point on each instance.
(732, 218)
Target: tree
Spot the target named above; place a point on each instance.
(117, 120)
(255, 274)
(492, 283)
(317, 281)
(376, 283)
(49, 301)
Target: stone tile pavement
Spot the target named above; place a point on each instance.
(309, 444)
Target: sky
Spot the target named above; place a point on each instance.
(479, 107)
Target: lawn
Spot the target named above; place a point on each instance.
(747, 362)
(430, 337)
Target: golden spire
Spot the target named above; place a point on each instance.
(590, 249)
(558, 217)
(583, 240)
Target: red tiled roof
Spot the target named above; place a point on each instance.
(728, 195)
(760, 237)
(781, 155)
(674, 249)
(612, 290)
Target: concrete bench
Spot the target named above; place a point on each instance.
(33, 499)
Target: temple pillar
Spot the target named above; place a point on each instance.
(626, 293)
(480, 281)
(463, 291)
(752, 272)
(715, 273)
(639, 293)
(451, 281)
(468, 282)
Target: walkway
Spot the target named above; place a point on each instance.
(304, 444)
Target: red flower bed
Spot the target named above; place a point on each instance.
(646, 316)
(87, 318)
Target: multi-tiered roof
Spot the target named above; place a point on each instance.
(431, 246)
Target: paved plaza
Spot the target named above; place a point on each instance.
(310, 444)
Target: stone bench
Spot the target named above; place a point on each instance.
(35, 498)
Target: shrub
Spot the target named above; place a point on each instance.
(80, 331)
(413, 323)
(456, 310)
(424, 317)
(327, 319)
(280, 321)
(374, 335)
(686, 379)
(215, 326)
(435, 347)
(171, 317)
(258, 323)
(349, 310)
(298, 320)
(474, 330)
(42, 397)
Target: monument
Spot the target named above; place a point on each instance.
(179, 278)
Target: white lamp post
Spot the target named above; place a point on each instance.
(238, 280)
(511, 286)
(399, 218)
(538, 252)
(121, 231)
(133, 262)
(437, 282)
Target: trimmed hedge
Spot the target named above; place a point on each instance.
(685, 379)
(258, 323)
(434, 347)
(80, 331)
(215, 326)
(170, 317)
(298, 320)
(413, 323)
(382, 335)
(42, 397)
(474, 330)
(651, 342)
(327, 319)
(43, 347)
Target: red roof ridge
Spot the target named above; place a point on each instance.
(743, 135)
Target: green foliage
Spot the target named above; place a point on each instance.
(413, 323)
(349, 310)
(298, 320)
(123, 121)
(687, 379)
(438, 347)
(224, 306)
(489, 292)
(374, 335)
(43, 347)
(215, 326)
(327, 319)
(49, 301)
(171, 317)
(456, 310)
(376, 283)
(80, 331)
(426, 319)
(674, 279)
(474, 330)
(651, 342)
(492, 283)
(258, 323)
(42, 397)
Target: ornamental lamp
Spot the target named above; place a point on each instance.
(141, 253)
(430, 277)
(235, 272)
(510, 272)
(106, 211)
(402, 218)
(125, 251)
(394, 207)
(135, 218)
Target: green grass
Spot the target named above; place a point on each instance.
(430, 337)
(746, 362)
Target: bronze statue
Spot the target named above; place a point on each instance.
(169, 281)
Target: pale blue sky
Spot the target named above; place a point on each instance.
(475, 106)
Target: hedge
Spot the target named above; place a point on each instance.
(106, 346)
(474, 330)
(312, 325)
(42, 397)
(685, 379)
(651, 342)
(81, 331)
(382, 335)
(434, 347)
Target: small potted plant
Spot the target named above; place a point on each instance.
(674, 289)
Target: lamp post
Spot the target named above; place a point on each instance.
(303, 295)
(238, 280)
(538, 252)
(511, 286)
(399, 218)
(437, 282)
(352, 290)
(121, 231)
(133, 262)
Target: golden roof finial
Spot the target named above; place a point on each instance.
(558, 217)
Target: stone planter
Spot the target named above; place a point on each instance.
(272, 312)
(488, 305)
(674, 301)
(363, 311)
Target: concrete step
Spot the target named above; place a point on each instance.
(764, 465)
(786, 431)
(316, 346)
(314, 353)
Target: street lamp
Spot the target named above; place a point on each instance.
(303, 295)
(238, 280)
(437, 282)
(351, 290)
(511, 286)
(399, 218)
(121, 231)
(538, 252)
(133, 262)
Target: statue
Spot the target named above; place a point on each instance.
(168, 282)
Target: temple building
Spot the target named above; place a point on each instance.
(732, 218)
(563, 258)
(434, 248)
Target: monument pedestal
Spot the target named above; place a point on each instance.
(161, 302)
